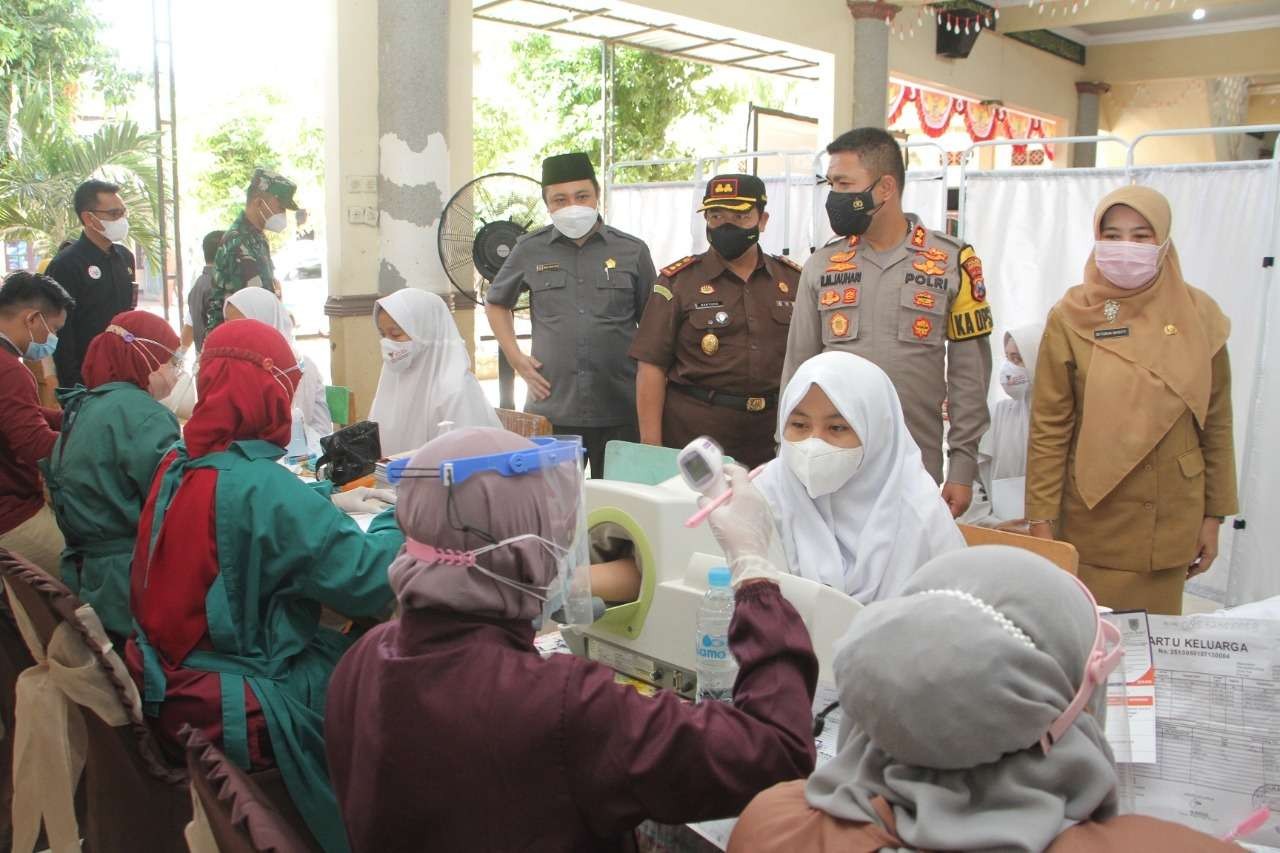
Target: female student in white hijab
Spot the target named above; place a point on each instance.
(1002, 453)
(970, 720)
(855, 507)
(258, 303)
(426, 374)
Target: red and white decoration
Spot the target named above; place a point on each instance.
(937, 112)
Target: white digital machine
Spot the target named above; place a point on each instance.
(652, 639)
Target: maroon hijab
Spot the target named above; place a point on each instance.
(112, 357)
(248, 374)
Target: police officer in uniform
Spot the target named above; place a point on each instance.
(909, 299)
(711, 344)
(588, 284)
(97, 271)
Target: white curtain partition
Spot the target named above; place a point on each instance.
(665, 215)
(1034, 232)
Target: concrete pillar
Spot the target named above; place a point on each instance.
(398, 142)
(871, 61)
(1087, 112)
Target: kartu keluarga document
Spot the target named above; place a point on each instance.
(1217, 726)
(1131, 692)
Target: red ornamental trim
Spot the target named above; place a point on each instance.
(982, 122)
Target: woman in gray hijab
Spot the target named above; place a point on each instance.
(957, 729)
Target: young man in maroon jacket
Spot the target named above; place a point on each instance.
(32, 310)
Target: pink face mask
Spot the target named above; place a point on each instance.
(1127, 265)
(1101, 662)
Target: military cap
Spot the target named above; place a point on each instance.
(265, 181)
(734, 192)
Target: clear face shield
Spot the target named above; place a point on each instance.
(559, 461)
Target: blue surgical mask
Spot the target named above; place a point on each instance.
(36, 350)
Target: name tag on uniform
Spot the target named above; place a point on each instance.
(1103, 334)
(547, 267)
(698, 305)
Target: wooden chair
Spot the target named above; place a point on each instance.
(234, 812)
(342, 404)
(523, 423)
(130, 788)
(14, 658)
(1061, 554)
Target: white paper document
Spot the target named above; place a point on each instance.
(1131, 691)
(1007, 497)
(1217, 726)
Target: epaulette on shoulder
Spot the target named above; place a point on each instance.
(787, 260)
(944, 237)
(671, 269)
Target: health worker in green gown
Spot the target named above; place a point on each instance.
(114, 434)
(234, 559)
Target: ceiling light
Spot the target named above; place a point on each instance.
(1197, 15)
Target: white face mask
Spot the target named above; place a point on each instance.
(116, 230)
(575, 221)
(821, 468)
(397, 355)
(1015, 380)
(160, 383)
(274, 222)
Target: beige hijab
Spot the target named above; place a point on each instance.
(1152, 375)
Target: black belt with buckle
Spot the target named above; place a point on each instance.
(729, 401)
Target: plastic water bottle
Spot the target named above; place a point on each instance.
(716, 667)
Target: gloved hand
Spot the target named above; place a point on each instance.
(744, 528)
(364, 499)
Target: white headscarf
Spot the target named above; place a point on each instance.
(258, 303)
(436, 386)
(1005, 443)
(872, 533)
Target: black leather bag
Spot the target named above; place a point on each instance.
(350, 453)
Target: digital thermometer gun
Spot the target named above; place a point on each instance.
(701, 465)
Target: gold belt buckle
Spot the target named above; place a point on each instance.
(756, 404)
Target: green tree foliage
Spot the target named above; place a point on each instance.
(651, 92)
(251, 140)
(50, 48)
(38, 180)
(238, 146)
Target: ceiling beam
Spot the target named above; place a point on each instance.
(1243, 54)
(1017, 17)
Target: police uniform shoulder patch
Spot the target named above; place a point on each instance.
(663, 291)
(671, 269)
(970, 315)
(786, 260)
(944, 239)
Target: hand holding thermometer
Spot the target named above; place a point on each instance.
(701, 465)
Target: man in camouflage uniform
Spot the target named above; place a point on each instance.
(244, 258)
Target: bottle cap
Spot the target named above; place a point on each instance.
(719, 576)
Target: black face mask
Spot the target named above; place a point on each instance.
(731, 241)
(850, 213)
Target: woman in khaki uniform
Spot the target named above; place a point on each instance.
(1130, 455)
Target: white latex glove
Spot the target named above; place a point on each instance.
(744, 528)
(364, 499)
